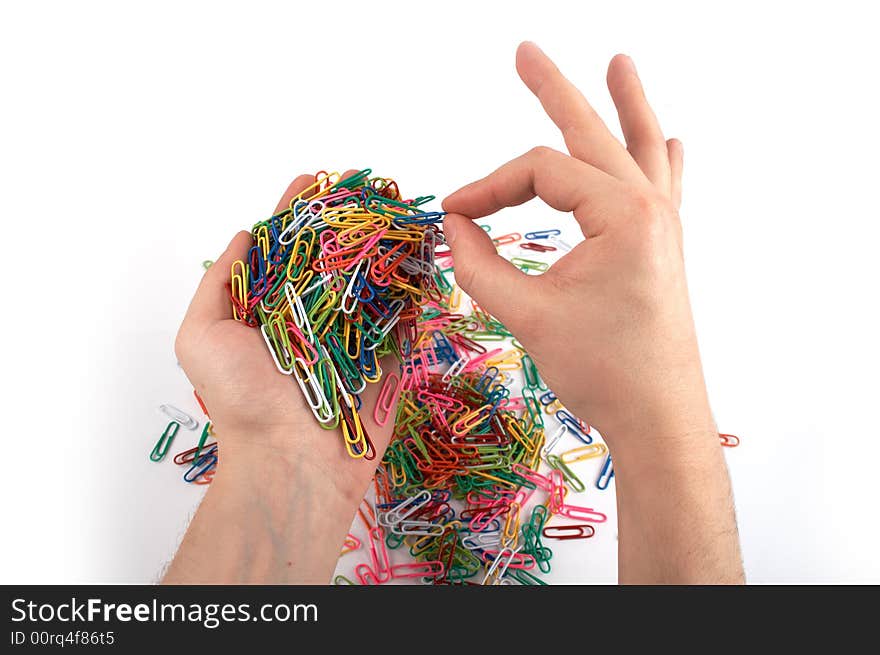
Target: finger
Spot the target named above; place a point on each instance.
(496, 284)
(676, 166)
(564, 183)
(211, 301)
(586, 136)
(296, 187)
(644, 138)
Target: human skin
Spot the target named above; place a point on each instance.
(616, 339)
(616, 343)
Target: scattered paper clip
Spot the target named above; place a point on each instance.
(181, 417)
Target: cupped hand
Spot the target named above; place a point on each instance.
(257, 411)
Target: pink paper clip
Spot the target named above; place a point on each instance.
(387, 398)
(429, 569)
(381, 565)
(581, 513)
(534, 477)
(517, 560)
(365, 575)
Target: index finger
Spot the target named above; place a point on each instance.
(564, 183)
(586, 135)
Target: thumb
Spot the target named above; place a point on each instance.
(497, 285)
(211, 301)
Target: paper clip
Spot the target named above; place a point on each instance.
(563, 532)
(542, 234)
(428, 569)
(387, 398)
(581, 513)
(529, 264)
(729, 440)
(583, 452)
(189, 456)
(161, 447)
(350, 544)
(342, 580)
(537, 247)
(181, 417)
(366, 575)
(559, 243)
(496, 563)
(605, 474)
(201, 466)
(206, 431)
(201, 403)
(379, 556)
(481, 540)
(505, 239)
(548, 446)
(517, 560)
(577, 427)
(568, 475)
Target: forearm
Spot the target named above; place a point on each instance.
(676, 522)
(266, 519)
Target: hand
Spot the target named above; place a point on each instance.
(258, 412)
(609, 325)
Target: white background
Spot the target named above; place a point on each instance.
(136, 138)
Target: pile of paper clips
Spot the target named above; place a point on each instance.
(334, 282)
(454, 483)
(470, 482)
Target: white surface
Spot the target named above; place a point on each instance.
(135, 141)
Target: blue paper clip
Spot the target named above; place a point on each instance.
(202, 465)
(542, 234)
(605, 474)
(569, 421)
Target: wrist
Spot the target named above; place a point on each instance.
(279, 470)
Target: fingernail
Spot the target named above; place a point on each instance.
(449, 230)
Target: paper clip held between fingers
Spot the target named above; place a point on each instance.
(562, 532)
(729, 440)
(181, 417)
(161, 447)
(605, 474)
